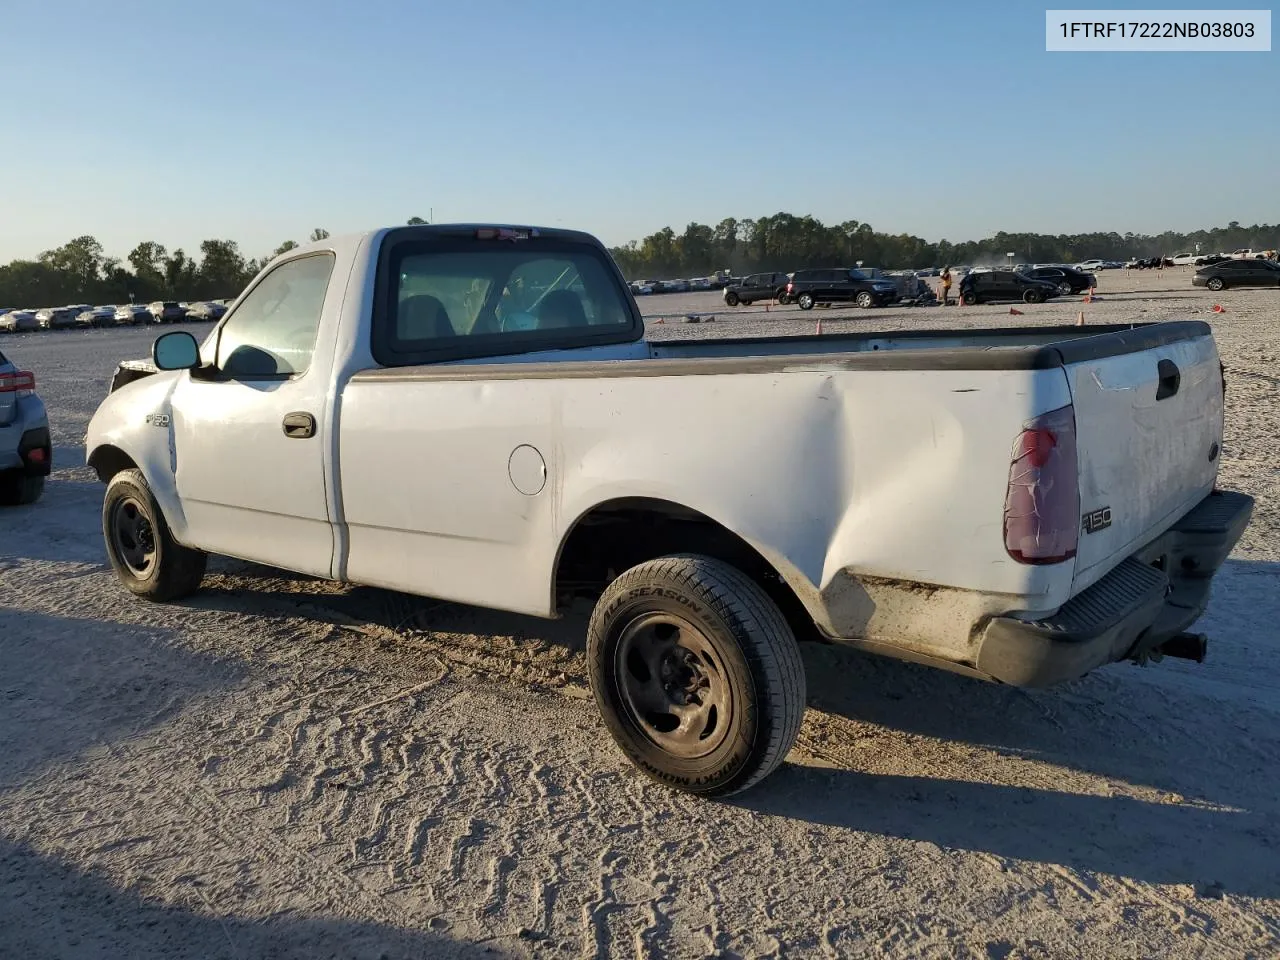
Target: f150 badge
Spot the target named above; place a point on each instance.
(157, 419)
(1096, 520)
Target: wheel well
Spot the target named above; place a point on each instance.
(619, 534)
(108, 461)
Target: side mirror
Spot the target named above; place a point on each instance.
(176, 351)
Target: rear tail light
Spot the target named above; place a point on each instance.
(1042, 502)
(790, 286)
(21, 383)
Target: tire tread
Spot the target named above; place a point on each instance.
(768, 644)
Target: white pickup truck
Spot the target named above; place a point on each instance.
(473, 413)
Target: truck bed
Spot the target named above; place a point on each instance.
(1000, 348)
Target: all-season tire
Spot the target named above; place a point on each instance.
(969, 299)
(1033, 296)
(783, 299)
(1215, 284)
(17, 489)
(805, 301)
(731, 299)
(1065, 289)
(865, 300)
(696, 674)
(146, 558)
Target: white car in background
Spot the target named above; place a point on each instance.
(1184, 259)
(19, 321)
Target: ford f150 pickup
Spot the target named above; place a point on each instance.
(473, 413)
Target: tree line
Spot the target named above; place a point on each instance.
(785, 242)
(80, 271)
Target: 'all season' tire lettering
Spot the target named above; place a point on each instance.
(664, 592)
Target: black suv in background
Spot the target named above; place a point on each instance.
(991, 286)
(758, 286)
(1068, 280)
(839, 284)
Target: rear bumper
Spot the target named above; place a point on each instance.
(1148, 599)
(26, 433)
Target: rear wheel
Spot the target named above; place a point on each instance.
(1215, 284)
(18, 489)
(1033, 296)
(805, 301)
(142, 551)
(1065, 288)
(865, 300)
(696, 673)
(731, 299)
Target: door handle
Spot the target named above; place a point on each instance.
(299, 426)
(1170, 379)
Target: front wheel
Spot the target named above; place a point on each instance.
(865, 300)
(696, 673)
(146, 558)
(968, 298)
(1215, 284)
(1065, 289)
(805, 301)
(731, 299)
(1033, 296)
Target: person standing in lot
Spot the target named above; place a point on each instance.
(946, 286)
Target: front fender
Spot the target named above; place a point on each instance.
(136, 420)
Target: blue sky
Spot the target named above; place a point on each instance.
(257, 122)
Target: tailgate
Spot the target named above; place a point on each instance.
(1148, 433)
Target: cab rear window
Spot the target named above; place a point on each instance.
(453, 296)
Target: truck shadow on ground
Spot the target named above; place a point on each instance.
(1115, 724)
(50, 909)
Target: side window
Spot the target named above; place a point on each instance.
(272, 332)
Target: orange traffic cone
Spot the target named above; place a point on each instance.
(659, 320)
(1088, 297)
(1015, 312)
(1219, 308)
(1080, 319)
(819, 326)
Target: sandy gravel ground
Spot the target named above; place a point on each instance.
(281, 767)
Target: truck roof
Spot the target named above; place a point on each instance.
(352, 241)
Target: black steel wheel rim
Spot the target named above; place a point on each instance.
(133, 537)
(673, 685)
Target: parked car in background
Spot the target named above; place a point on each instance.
(19, 321)
(757, 286)
(1068, 280)
(700, 283)
(1210, 259)
(1184, 259)
(1088, 265)
(994, 286)
(132, 313)
(208, 310)
(167, 311)
(26, 451)
(839, 285)
(56, 318)
(97, 317)
(1238, 273)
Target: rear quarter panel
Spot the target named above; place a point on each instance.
(891, 474)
